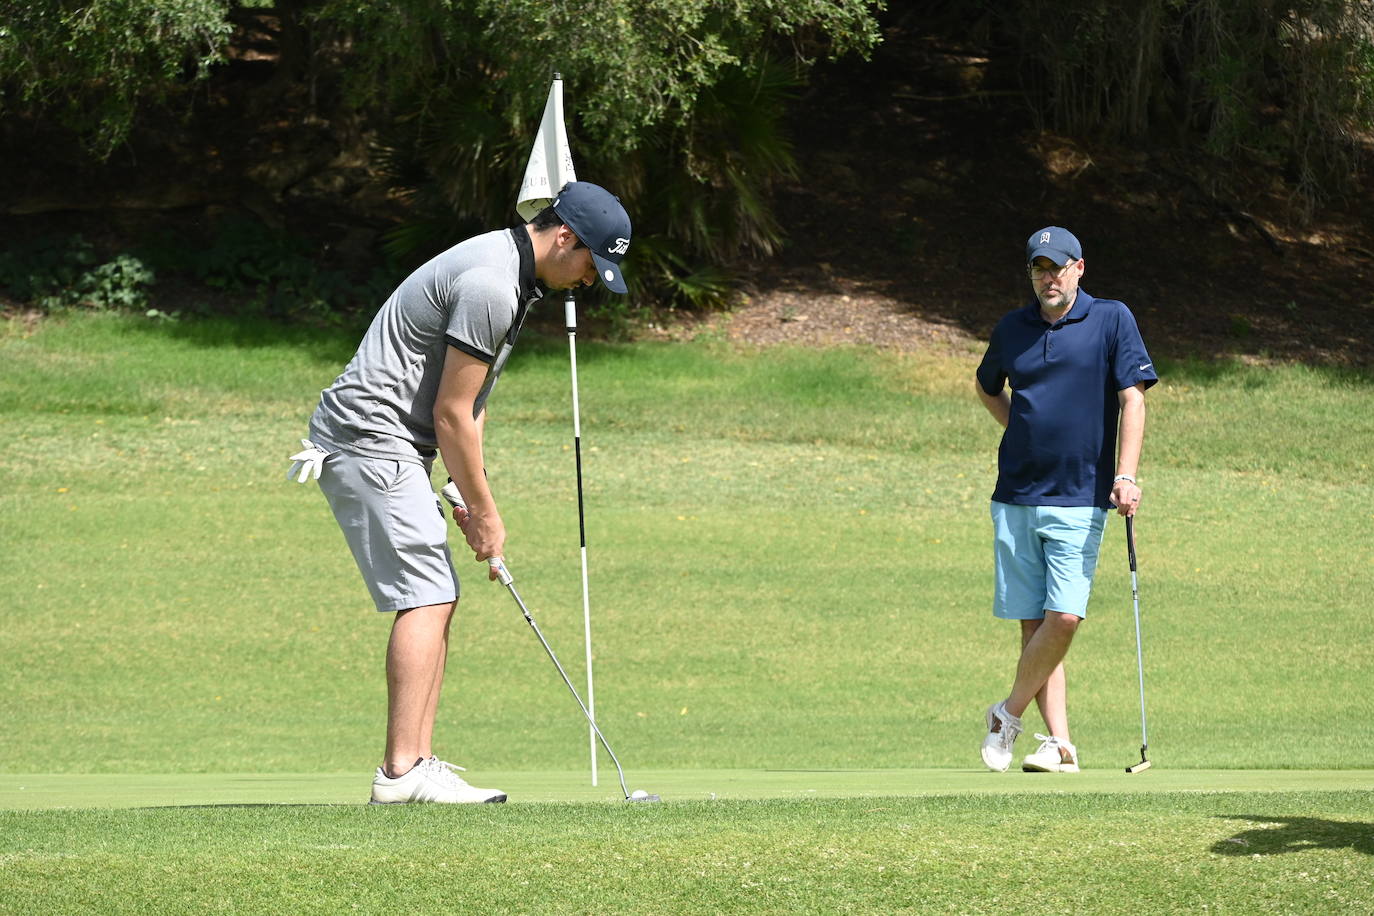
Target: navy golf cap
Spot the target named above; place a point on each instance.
(1059, 245)
(602, 224)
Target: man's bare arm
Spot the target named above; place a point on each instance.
(460, 444)
(999, 404)
(1130, 437)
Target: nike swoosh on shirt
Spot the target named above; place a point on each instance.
(1146, 366)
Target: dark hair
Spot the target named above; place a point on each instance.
(548, 218)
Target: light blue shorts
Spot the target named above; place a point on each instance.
(396, 528)
(1045, 558)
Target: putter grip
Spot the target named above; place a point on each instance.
(502, 574)
(1130, 541)
(449, 492)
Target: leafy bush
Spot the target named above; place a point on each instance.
(667, 98)
(701, 192)
(53, 273)
(118, 283)
(698, 191)
(675, 105)
(93, 64)
(273, 271)
(1289, 82)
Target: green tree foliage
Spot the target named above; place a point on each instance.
(703, 185)
(678, 104)
(634, 64)
(93, 63)
(675, 104)
(1288, 81)
(698, 187)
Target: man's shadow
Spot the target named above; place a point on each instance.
(1294, 834)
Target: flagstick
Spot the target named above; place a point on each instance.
(570, 314)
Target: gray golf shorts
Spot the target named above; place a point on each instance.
(396, 528)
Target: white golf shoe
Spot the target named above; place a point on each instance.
(1003, 728)
(445, 773)
(1048, 757)
(431, 780)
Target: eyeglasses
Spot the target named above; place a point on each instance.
(1056, 272)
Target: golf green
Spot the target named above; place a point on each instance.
(130, 790)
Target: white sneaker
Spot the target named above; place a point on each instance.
(444, 772)
(430, 780)
(1048, 759)
(1003, 728)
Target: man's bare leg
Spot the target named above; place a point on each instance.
(432, 707)
(1053, 697)
(1042, 657)
(414, 663)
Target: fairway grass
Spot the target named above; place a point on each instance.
(1307, 852)
(790, 582)
(788, 550)
(143, 790)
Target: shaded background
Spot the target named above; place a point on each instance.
(842, 167)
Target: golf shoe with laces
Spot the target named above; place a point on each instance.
(1003, 728)
(445, 773)
(1048, 757)
(430, 780)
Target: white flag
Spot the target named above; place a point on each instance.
(551, 164)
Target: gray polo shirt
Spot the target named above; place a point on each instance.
(474, 297)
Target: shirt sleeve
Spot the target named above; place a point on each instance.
(481, 313)
(992, 376)
(1131, 364)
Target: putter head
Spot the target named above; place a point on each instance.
(1144, 763)
(639, 795)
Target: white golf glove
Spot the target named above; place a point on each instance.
(307, 463)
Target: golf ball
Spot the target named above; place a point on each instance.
(639, 793)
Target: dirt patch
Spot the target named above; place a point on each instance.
(827, 317)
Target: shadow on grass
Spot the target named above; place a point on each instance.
(1294, 834)
(328, 344)
(1230, 370)
(334, 343)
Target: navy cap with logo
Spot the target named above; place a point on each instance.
(602, 224)
(1059, 245)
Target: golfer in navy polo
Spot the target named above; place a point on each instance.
(1066, 376)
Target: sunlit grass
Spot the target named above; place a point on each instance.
(788, 549)
(1299, 852)
(790, 571)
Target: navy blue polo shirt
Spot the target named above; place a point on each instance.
(1059, 448)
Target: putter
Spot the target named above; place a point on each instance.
(450, 493)
(1144, 763)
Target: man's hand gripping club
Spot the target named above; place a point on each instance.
(496, 567)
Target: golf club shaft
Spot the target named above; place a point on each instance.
(1139, 653)
(508, 581)
(454, 498)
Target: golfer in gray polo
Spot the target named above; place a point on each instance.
(417, 387)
